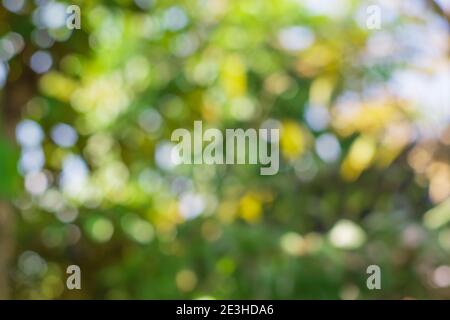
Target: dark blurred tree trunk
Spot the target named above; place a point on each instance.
(15, 95)
(6, 247)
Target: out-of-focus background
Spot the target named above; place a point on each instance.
(85, 171)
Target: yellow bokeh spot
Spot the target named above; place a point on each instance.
(250, 207)
(321, 90)
(359, 158)
(56, 85)
(52, 286)
(186, 280)
(370, 117)
(293, 244)
(227, 211)
(234, 77)
(438, 216)
(292, 140)
(316, 58)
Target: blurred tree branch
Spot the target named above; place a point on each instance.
(439, 10)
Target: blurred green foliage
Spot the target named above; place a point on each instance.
(359, 169)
